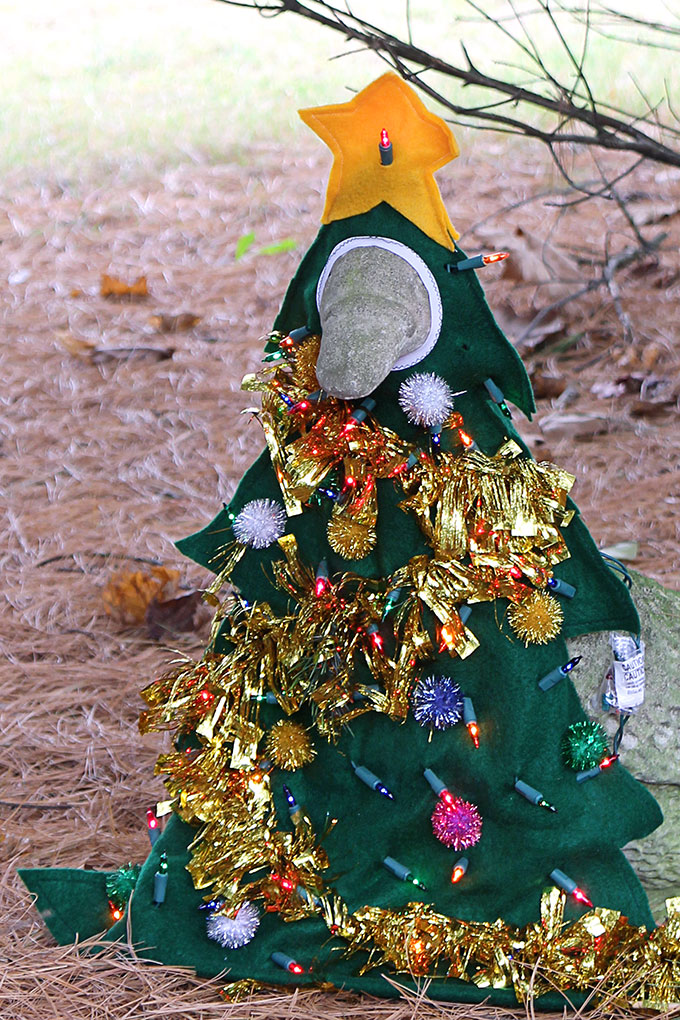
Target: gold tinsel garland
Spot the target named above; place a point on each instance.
(600, 950)
(502, 514)
(221, 787)
(504, 511)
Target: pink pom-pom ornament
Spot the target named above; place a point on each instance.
(458, 825)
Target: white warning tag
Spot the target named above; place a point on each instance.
(629, 681)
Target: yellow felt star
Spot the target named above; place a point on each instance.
(421, 141)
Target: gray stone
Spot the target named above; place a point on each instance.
(651, 744)
(374, 309)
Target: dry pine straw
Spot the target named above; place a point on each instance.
(102, 463)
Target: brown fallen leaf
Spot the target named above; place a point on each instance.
(547, 386)
(653, 210)
(651, 353)
(74, 344)
(629, 383)
(666, 278)
(174, 323)
(181, 614)
(129, 593)
(111, 286)
(100, 355)
(574, 425)
(651, 408)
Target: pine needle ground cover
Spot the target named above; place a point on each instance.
(109, 456)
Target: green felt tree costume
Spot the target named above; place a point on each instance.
(521, 726)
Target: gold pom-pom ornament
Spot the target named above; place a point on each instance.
(289, 746)
(350, 538)
(537, 619)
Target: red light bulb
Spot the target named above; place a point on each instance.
(579, 895)
(320, 586)
(151, 819)
(465, 439)
(447, 797)
(608, 761)
(295, 968)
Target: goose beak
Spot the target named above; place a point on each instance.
(374, 309)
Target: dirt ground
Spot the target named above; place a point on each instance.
(121, 432)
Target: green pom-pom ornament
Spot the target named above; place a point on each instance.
(120, 884)
(585, 745)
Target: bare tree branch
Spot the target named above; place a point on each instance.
(581, 119)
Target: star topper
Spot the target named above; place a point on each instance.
(362, 176)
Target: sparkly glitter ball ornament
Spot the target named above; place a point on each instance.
(585, 744)
(350, 538)
(120, 884)
(234, 932)
(437, 702)
(289, 746)
(536, 619)
(426, 399)
(458, 825)
(260, 523)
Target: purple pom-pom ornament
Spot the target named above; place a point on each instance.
(437, 702)
(458, 824)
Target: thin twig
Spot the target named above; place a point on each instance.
(104, 556)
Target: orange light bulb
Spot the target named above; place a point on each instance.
(473, 730)
(496, 256)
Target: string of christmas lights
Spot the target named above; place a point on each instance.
(493, 525)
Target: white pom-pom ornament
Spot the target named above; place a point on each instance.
(260, 523)
(426, 398)
(237, 931)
